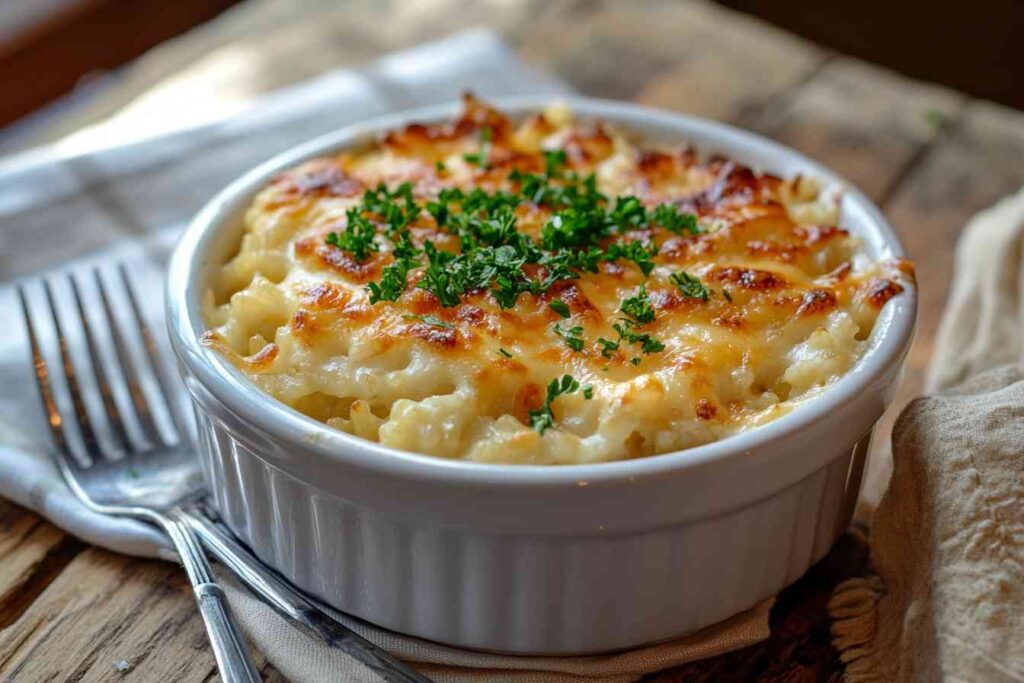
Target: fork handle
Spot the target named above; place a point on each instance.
(291, 604)
(234, 662)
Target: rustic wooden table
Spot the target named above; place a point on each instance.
(930, 157)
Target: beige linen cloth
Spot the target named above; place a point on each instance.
(946, 599)
(301, 658)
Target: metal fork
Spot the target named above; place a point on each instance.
(114, 473)
(277, 592)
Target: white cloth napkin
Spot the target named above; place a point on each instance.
(93, 208)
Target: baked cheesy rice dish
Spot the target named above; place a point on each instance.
(548, 291)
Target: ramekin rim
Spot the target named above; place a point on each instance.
(894, 329)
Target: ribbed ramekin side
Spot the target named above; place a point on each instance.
(514, 593)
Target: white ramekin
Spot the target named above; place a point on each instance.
(534, 559)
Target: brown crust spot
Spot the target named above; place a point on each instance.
(358, 312)
(816, 301)
(749, 278)
(734, 321)
(320, 178)
(262, 358)
(840, 272)
(303, 322)
(467, 313)
(529, 397)
(816, 234)
(432, 334)
(654, 164)
(339, 261)
(705, 409)
(209, 337)
(430, 138)
(325, 296)
(571, 294)
(880, 290)
(588, 144)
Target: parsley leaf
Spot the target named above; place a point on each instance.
(690, 286)
(608, 347)
(542, 418)
(357, 238)
(504, 353)
(669, 217)
(638, 306)
(573, 337)
(560, 307)
(553, 161)
(635, 251)
(429, 320)
(628, 213)
(648, 344)
(392, 283)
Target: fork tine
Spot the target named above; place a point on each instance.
(42, 375)
(153, 355)
(109, 405)
(92, 444)
(129, 368)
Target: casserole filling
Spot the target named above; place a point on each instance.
(552, 291)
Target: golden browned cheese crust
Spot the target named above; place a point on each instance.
(779, 304)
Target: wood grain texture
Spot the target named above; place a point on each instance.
(104, 609)
(930, 156)
(862, 121)
(32, 554)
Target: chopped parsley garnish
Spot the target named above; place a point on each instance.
(628, 213)
(690, 286)
(429, 320)
(727, 295)
(648, 344)
(392, 283)
(584, 229)
(357, 237)
(635, 251)
(542, 418)
(439, 166)
(588, 392)
(608, 347)
(638, 306)
(669, 217)
(560, 307)
(504, 353)
(573, 337)
(627, 334)
(553, 162)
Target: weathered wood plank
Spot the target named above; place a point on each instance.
(862, 121)
(691, 56)
(725, 66)
(32, 554)
(103, 610)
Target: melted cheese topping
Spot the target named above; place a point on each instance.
(791, 302)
